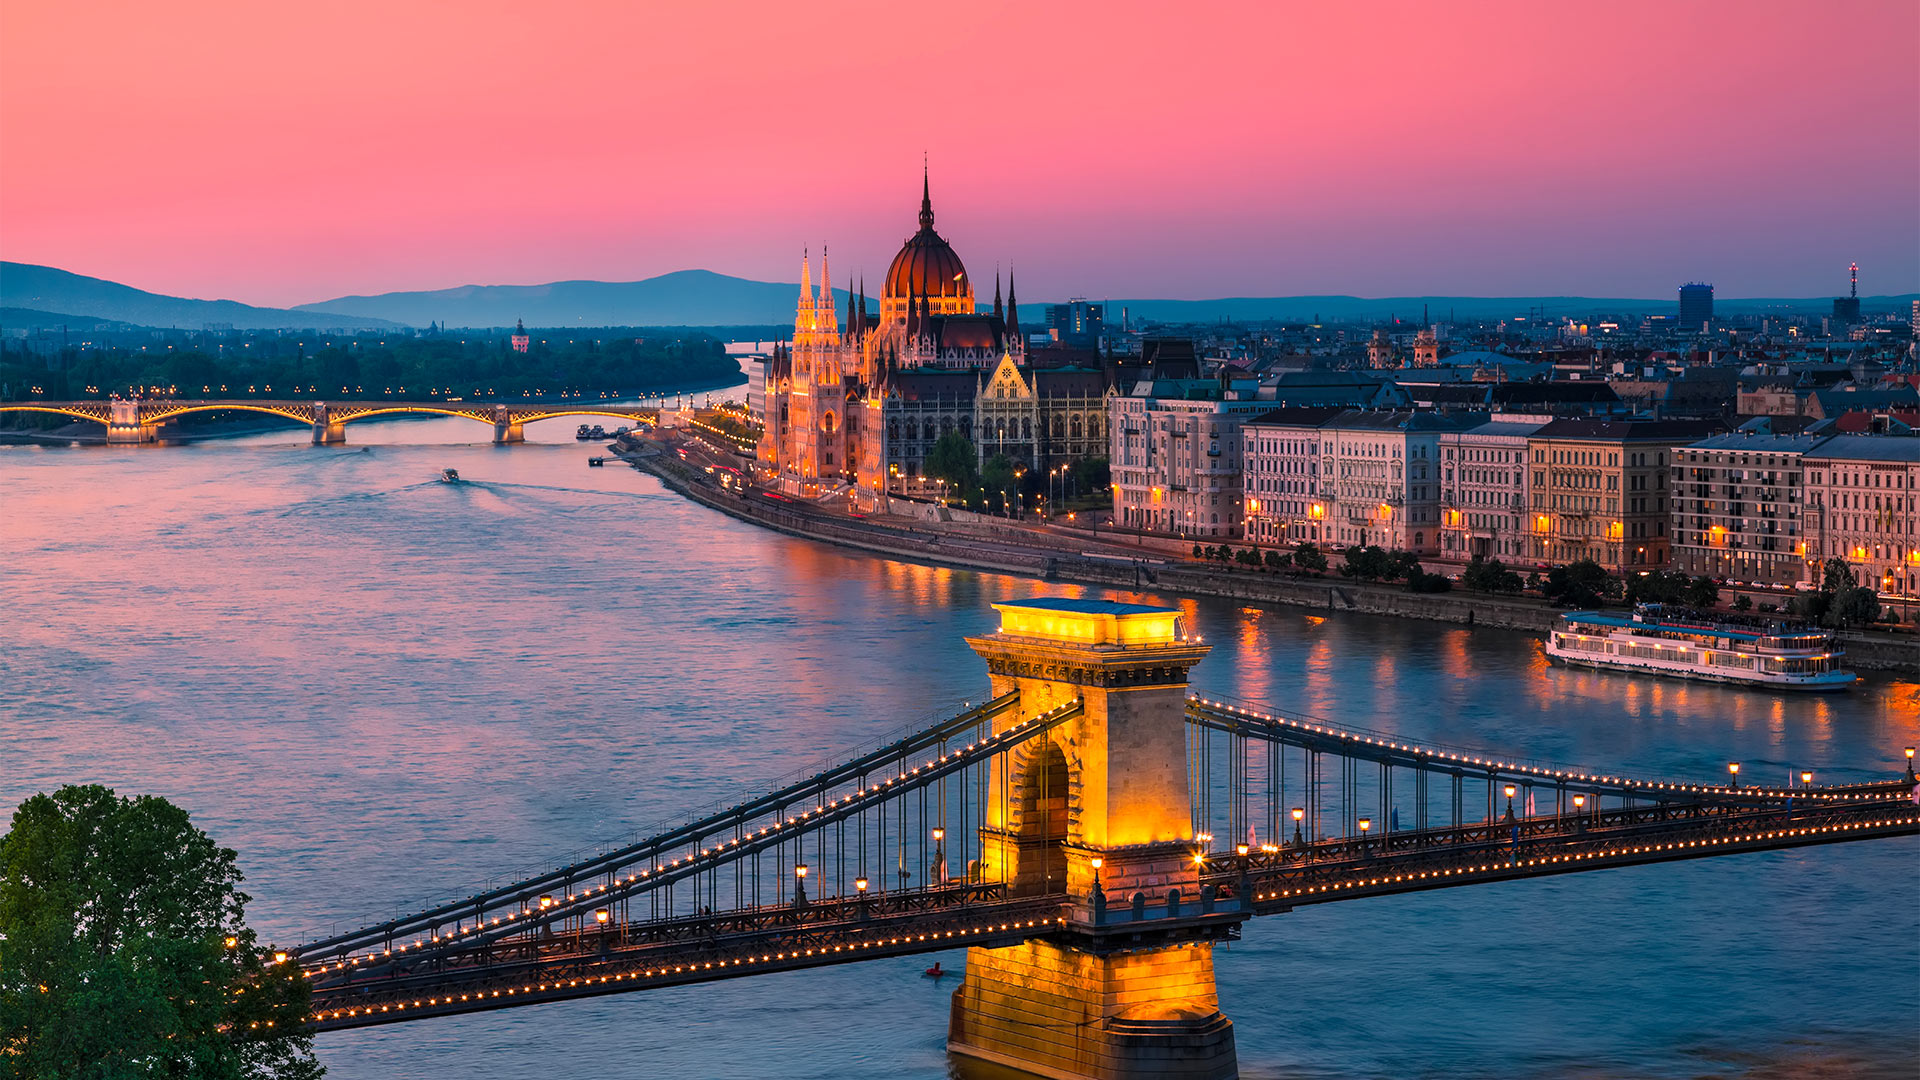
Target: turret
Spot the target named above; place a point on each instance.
(1013, 314)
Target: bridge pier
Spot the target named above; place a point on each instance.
(506, 429)
(1098, 809)
(125, 425)
(325, 434)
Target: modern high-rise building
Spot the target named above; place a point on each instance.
(1696, 306)
(1077, 322)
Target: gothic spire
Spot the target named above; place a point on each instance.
(926, 201)
(998, 311)
(1013, 312)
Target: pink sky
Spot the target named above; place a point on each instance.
(280, 153)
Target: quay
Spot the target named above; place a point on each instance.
(1083, 559)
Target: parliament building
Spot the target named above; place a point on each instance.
(852, 406)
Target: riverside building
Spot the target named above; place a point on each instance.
(1599, 490)
(855, 406)
(1346, 477)
(1484, 490)
(1738, 501)
(1860, 508)
(1176, 457)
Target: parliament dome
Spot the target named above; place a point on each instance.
(927, 265)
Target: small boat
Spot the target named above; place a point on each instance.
(449, 476)
(617, 432)
(598, 432)
(583, 433)
(596, 461)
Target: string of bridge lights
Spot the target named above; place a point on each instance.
(1528, 770)
(546, 904)
(1617, 853)
(664, 972)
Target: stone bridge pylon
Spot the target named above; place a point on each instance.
(1097, 809)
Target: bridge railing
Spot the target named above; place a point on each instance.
(838, 839)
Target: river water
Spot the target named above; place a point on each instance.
(381, 689)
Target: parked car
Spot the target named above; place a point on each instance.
(1805, 586)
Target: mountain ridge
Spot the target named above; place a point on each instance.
(51, 289)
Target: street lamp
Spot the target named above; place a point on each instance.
(1733, 770)
(1910, 776)
(800, 885)
(1509, 790)
(939, 874)
(1365, 824)
(1299, 840)
(1806, 778)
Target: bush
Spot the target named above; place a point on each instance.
(1487, 575)
(1277, 561)
(1309, 557)
(1422, 582)
(1743, 602)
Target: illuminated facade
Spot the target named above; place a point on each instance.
(1600, 491)
(1483, 489)
(856, 405)
(1861, 491)
(1738, 503)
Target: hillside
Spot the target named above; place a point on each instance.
(682, 298)
(46, 289)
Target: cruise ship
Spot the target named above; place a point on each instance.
(1687, 645)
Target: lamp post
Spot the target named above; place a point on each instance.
(1580, 812)
(1806, 778)
(800, 885)
(1365, 824)
(1509, 792)
(1096, 896)
(1733, 772)
(1910, 776)
(1299, 839)
(939, 874)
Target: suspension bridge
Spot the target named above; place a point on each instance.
(1089, 832)
(130, 420)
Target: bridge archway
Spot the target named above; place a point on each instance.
(1042, 815)
(298, 414)
(59, 410)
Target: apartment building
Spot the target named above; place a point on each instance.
(1176, 455)
(1860, 492)
(1600, 490)
(1356, 477)
(1484, 489)
(1738, 502)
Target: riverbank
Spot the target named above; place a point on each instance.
(1011, 550)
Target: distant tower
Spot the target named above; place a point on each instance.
(520, 338)
(1846, 309)
(1696, 306)
(1426, 349)
(1380, 351)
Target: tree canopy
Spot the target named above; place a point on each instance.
(1579, 584)
(124, 950)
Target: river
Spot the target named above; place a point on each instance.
(382, 689)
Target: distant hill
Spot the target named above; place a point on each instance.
(682, 298)
(15, 318)
(45, 289)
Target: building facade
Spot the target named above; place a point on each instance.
(1738, 504)
(855, 406)
(1344, 478)
(1176, 458)
(1600, 491)
(1280, 473)
(1860, 507)
(1484, 493)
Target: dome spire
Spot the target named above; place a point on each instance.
(926, 199)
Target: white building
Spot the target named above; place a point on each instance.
(1861, 491)
(1353, 478)
(1176, 455)
(1483, 488)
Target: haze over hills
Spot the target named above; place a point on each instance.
(46, 289)
(705, 298)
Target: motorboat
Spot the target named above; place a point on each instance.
(450, 476)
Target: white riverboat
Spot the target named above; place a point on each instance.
(1656, 641)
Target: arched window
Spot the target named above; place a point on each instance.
(1093, 427)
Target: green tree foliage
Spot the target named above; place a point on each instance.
(1277, 561)
(1743, 602)
(1422, 582)
(124, 951)
(1488, 575)
(1091, 475)
(1000, 479)
(1701, 592)
(1374, 563)
(1309, 557)
(1841, 601)
(954, 460)
(1580, 584)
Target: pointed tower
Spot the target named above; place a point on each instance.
(829, 317)
(803, 313)
(998, 311)
(1013, 315)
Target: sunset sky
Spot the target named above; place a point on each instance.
(279, 153)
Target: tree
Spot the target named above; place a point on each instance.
(952, 458)
(1309, 557)
(1199, 552)
(1488, 575)
(1857, 605)
(1579, 584)
(1837, 578)
(124, 950)
(1657, 587)
(1368, 563)
(1701, 592)
(1743, 602)
(1422, 582)
(1277, 561)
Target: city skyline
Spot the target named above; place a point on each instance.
(283, 158)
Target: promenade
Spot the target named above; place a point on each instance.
(1085, 557)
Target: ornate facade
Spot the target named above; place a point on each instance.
(855, 405)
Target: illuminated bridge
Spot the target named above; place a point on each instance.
(1090, 831)
(137, 421)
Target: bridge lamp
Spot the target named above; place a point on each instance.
(1365, 824)
(1733, 770)
(279, 958)
(233, 943)
(601, 915)
(546, 902)
(1298, 839)
(1241, 850)
(1806, 778)
(1579, 802)
(1205, 837)
(860, 885)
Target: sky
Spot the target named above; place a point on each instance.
(280, 153)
